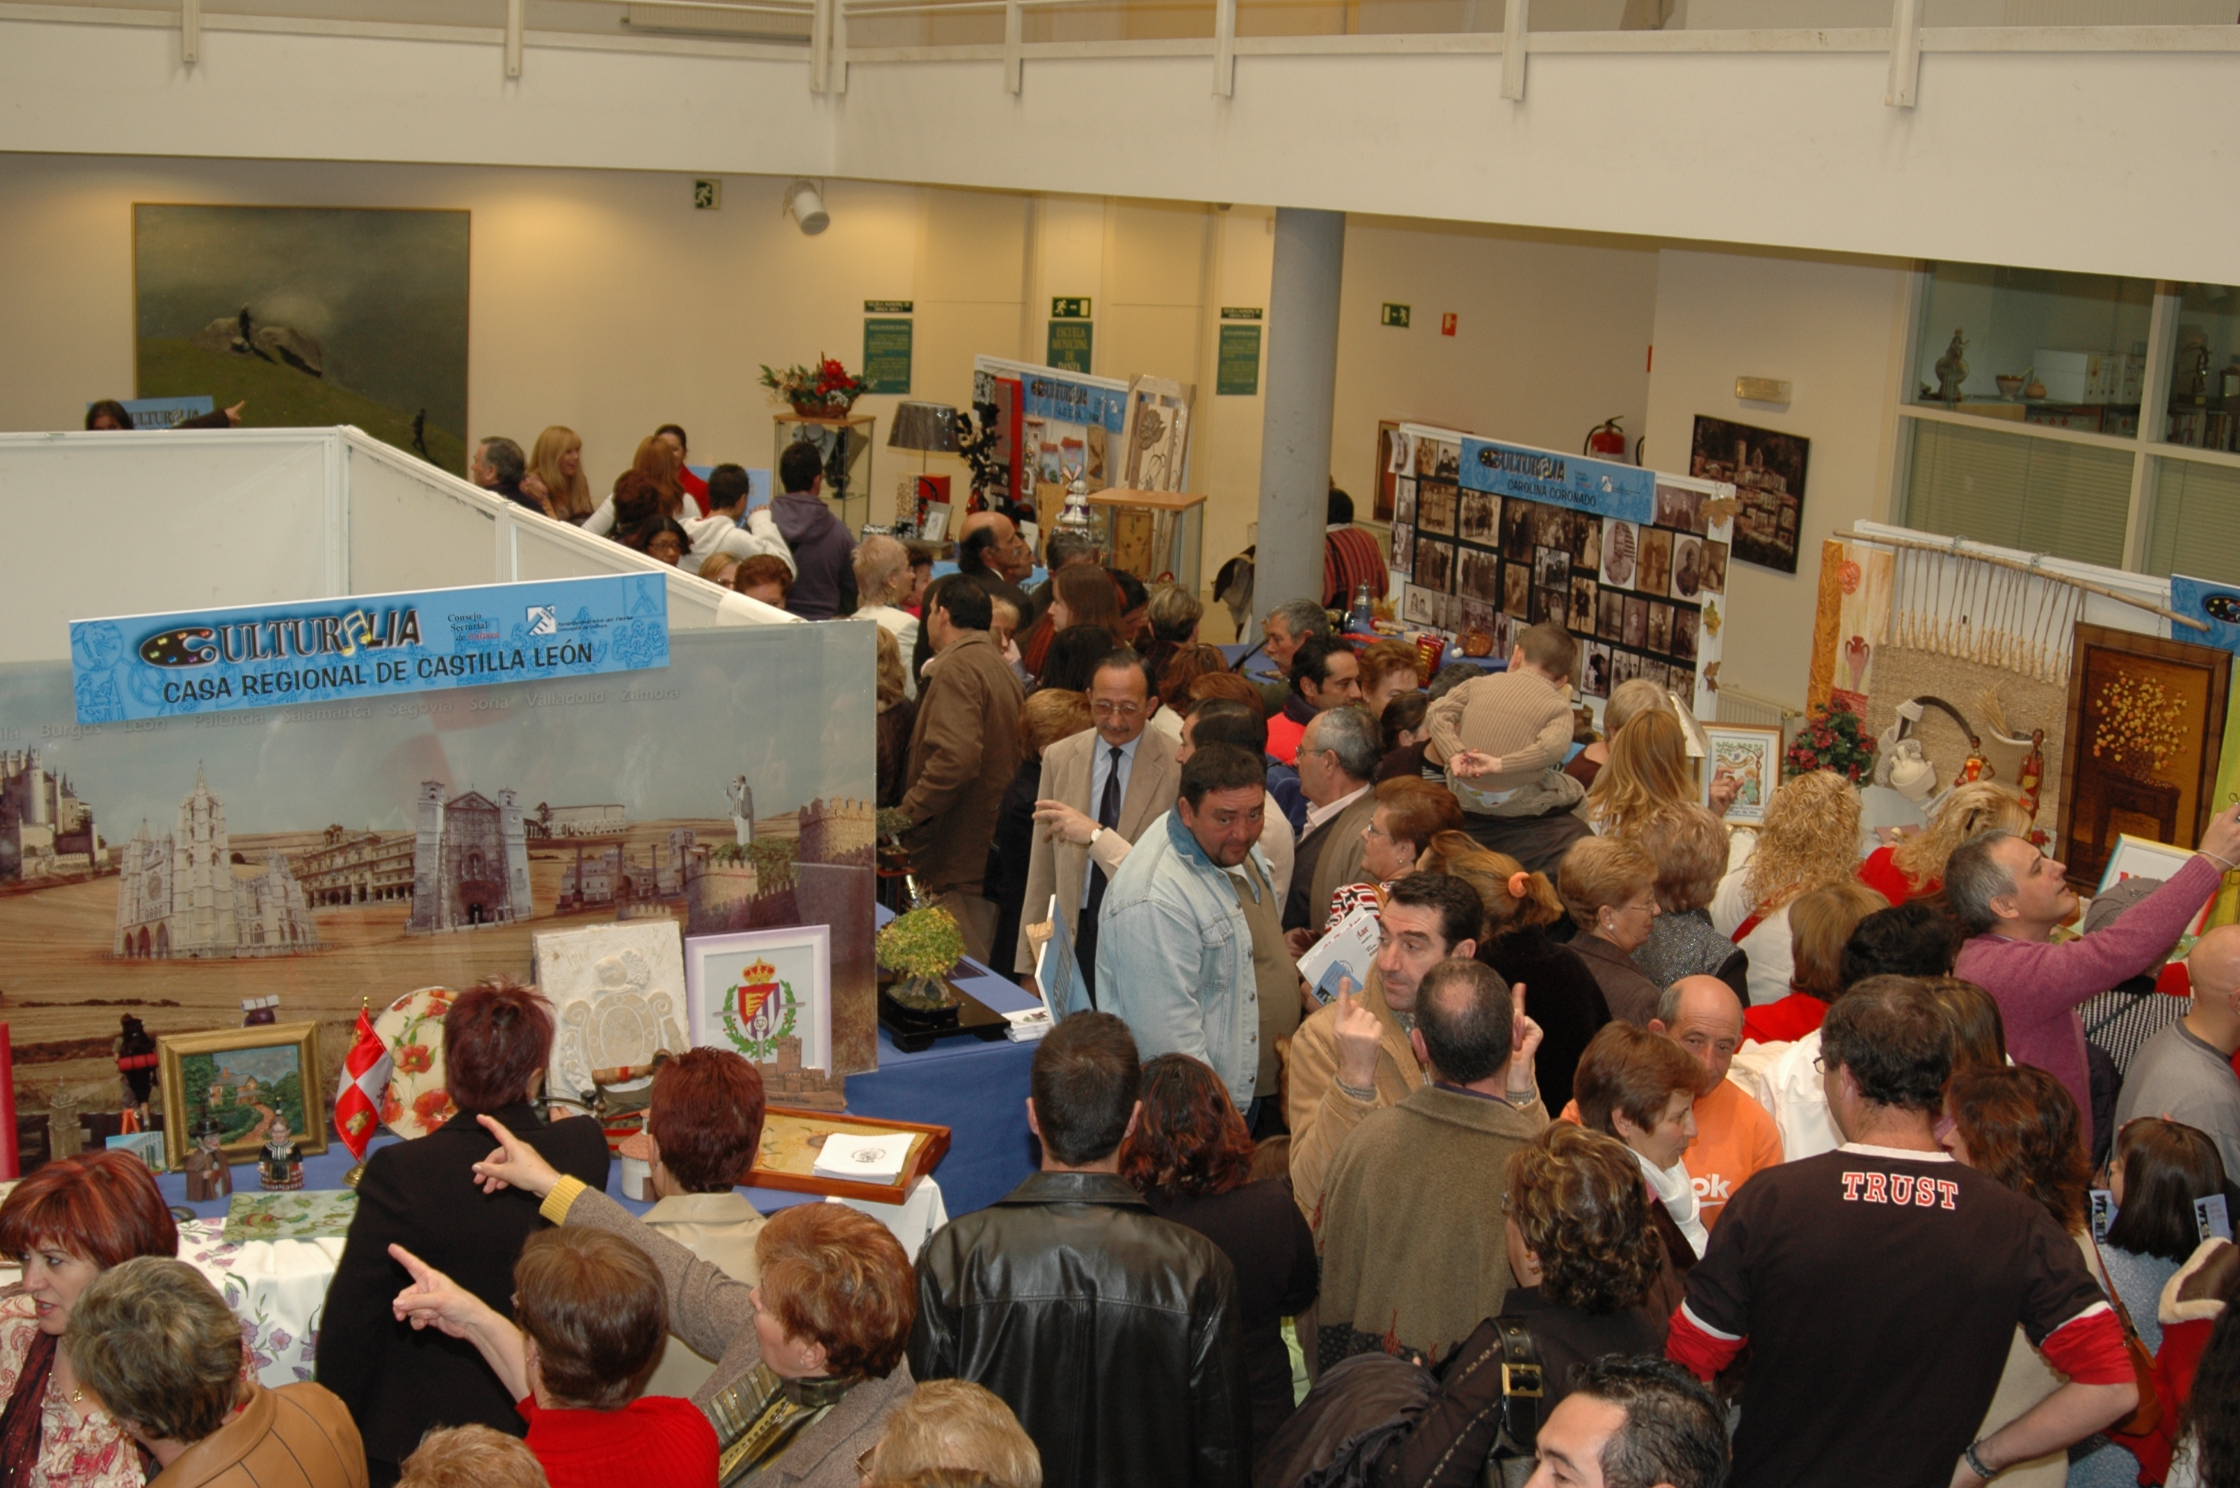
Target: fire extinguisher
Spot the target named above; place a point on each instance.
(1605, 441)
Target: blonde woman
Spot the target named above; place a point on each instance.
(1914, 865)
(556, 474)
(1648, 768)
(1628, 701)
(1810, 839)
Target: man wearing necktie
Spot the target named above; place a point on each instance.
(1101, 788)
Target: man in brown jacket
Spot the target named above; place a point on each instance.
(964, 749)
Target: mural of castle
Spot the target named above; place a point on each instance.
(598, 820)
(604, 875)
(843, 832)
(45, 830)
(178, 895)
(356, 867)
(470, 861)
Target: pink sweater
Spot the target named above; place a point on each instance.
(2038, 985)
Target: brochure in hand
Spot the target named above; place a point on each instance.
(1343, 955)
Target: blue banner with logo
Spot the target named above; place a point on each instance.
(2218, 605)
(361, 646)
(1604, 487)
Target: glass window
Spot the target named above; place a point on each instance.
(2040, 495)
(2204, 369)
(2081, 337)
(2195, 529)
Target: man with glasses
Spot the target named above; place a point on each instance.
(1337, 768)
(1100, 789)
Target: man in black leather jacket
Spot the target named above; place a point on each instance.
(1111, 1333)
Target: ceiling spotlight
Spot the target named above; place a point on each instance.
(805, 205)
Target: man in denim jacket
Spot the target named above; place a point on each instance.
(1175, 949)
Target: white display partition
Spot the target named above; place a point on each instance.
(259, 516)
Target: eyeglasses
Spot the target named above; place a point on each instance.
(1106, 708)
(1819, 1064)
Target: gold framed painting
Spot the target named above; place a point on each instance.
(243, 1081)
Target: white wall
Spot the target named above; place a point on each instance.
(1551, 336)
(1834, 330)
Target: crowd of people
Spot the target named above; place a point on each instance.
(1644, 1152)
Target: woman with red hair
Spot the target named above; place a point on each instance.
(420, 1194)
(1190, 1157)
(65, 1225)
(655, 465)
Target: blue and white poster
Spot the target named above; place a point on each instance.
(167, 413)
(2215, 605)
(365, 646)
(1603, 487)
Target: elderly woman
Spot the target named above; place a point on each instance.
(1586, 1285)
(1520, 907)
(810, 1359)
(883, 582)
(1641, 1088)
(1810, 838)
(64, 1225)
(1689, 846)
(953, 1426)
(1609, 887)
(1388, 669)
(497, 1040)
(1190, 1157)
(1914, 865)
(703, 1128)
(1408, 815)
(590, 1319)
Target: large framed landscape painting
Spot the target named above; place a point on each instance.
(312, 315)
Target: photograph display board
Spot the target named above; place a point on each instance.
(324, 853)
(1496, 537)
(1056, 423)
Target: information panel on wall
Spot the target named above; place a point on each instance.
(362, 646)
(1494, 537)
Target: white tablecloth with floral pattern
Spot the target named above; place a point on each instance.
(276, 1287)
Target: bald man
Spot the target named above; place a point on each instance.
(1734, 1136)
(2185, 1071)
(999, 561)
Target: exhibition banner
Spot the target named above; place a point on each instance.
(1603, 487)
(365, 646)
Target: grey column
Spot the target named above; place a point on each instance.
(1310, 253)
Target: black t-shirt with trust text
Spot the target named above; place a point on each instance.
(1880, 1291)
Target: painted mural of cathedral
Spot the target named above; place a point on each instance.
(179, 896)
(470, 861)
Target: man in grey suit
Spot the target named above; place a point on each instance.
(1100, 789)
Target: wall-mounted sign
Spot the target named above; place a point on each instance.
(886, 354)
(370, 645)
(886, 307)
(1071, 344)
(1240, 312)
(1069, 307)
(1237, 370)
(707, 194)
(1395, 315)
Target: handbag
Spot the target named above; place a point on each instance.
(2146, 1417)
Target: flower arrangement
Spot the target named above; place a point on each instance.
(1833, 738)
(921, 946)
(825, 388)
(2137, 731)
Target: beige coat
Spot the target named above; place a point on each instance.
(1068, 772)
(964, 749)
(1319, 1112)
(298, 1436)
(1333, 848)
(719, 1228)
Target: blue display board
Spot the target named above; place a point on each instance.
(376, 645)
(1603, 487)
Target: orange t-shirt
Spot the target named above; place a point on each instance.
(1735, 1138)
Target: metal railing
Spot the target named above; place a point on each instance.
(836, 34)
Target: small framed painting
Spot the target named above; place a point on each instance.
(759, 992)
(1749, 754)
(239, 1084)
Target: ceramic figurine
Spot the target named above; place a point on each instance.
(2033, 772)
(1952, 369)
(280, 1164)
(208, 1175)
(136, 1062)
(1978, 767)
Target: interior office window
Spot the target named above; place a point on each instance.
(2039, 495)
(2195, 529)
(2065, 351)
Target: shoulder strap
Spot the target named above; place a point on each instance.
(1522, 1388)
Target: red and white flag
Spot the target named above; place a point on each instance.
(365, 1074)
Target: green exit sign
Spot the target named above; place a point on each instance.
(1069, 307)
(1396, 315)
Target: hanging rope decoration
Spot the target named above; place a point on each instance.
(1987, 608)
